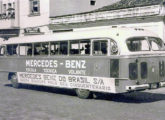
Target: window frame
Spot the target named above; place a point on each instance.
(66, 45)
(31, 8)
(16, 50)
(74, 41)
(40, 47)
(108, 46)
(4, 50)
(57, 43)
(80, 41)
(156, 38)
(145, 38)
(24, 44)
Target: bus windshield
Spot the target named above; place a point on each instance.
(145, 44)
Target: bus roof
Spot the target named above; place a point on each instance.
(117, 34)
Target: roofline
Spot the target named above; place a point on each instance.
(154, 10)
(95, 11)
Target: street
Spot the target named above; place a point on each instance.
(39, 103)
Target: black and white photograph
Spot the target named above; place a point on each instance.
(82, 59)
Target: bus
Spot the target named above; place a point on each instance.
(107, 60)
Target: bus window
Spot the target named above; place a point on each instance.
(41, 48)
(12, 50)
(138, 44)
(74, 47)
(2, 50)
(25, 49)
(44, 48)
(81, 47)
(9, 50)
(63, 48)
(113, 48)
(54, 48)
(15, 49)
(85, 47)
(156, 44)
(37, 48)
(100, 47)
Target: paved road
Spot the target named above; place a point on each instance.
(29, 103)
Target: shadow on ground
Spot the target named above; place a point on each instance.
(61, 91)
(134, 97)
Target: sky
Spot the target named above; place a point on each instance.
(64, 7)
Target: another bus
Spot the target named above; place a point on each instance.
(109, 60)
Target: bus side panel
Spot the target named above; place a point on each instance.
(60, 65)
(91, 73)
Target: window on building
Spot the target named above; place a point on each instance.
(9, 5)
(92, 2)
(4, 11)
(4, 8)
(14, 5)
(34, 7)
(10, 11)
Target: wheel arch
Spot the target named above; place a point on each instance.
(11, 74)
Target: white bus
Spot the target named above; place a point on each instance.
(109, 60)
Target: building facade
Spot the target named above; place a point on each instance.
(65, 7)
(151, 17)
(26, 17)
(23, 17)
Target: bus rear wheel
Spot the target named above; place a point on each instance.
(14, 81)
(84, 94)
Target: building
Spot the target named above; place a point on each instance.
(23, 17)
(65, 7)
(27, 17)
(148, 14)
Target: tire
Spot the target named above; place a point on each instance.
(83, 94)
(14, 81)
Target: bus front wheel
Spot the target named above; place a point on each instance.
(84, 94)
(14, 81)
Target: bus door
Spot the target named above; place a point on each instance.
(148, 70)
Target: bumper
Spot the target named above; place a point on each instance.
(144, 86)
(162, 84)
